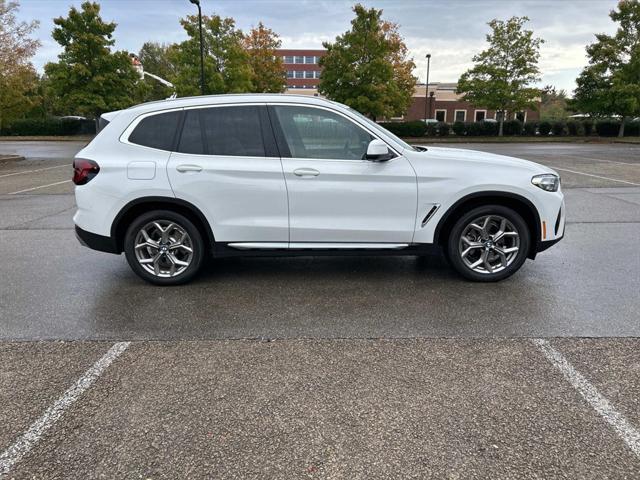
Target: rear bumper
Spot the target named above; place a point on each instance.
(95, 241)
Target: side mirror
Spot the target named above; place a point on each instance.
(377, 151)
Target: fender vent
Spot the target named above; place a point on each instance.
(430, 214)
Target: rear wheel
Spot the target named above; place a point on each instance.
(164, 248)
(488, 243)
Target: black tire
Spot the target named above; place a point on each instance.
(196, 244)
(455, 258)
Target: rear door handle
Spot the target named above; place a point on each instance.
(306, 172)
(189, 168)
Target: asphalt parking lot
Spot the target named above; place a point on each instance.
(322, 367)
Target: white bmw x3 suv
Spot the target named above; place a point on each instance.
(168, 182)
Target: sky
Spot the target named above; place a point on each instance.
(451, 30)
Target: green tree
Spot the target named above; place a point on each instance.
(18, 79)
(226, 62)
(155, 59)
(610, 84)
(89, 78)
(553, 105)
(267, 74)
(368, 68)
(503, 73)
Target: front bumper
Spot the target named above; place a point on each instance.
(96, 242)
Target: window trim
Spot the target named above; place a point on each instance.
(475, 117)
(284, 147)
(460, 110)
(435, 114)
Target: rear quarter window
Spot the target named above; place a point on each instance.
(157, 131)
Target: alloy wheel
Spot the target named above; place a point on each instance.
(163, 248)
(489, 244)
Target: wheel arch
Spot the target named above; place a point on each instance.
(520, 204)
(139, 206)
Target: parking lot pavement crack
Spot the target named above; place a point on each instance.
(625, 430)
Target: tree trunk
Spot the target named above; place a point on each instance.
(621, 131)
(500, 129)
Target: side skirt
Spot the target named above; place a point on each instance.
(224, 250)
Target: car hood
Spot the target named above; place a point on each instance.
(477, 157)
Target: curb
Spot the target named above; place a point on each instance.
(10, 158)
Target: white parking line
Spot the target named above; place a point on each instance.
(37, 188)
(28, 439)
(596, 176)
(600, 404)
(34, 171)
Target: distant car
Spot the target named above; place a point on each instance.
(72, 117)
(167, 182)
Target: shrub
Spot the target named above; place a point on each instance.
(632, 129)
(49, 126)
(406, 129)
(512, 127)
(459, 128)
(587, 127)
(544, 127)
(573, 127)
(608, 128)
(558, 128)
(443, 129)
(530, 128)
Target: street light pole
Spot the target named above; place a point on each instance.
(426, 90)
(197, 2)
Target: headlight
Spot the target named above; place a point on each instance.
(547, 181)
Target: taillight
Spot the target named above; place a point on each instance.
(84, 170)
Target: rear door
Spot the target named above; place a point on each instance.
(335, 194)
(227, 164)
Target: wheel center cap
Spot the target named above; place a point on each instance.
(488, 244)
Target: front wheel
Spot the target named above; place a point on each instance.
(164, 248)
(488, 243)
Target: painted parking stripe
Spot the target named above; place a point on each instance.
(596, 176)
(30, 438)
(33, 171)
(600, 404)
(38, 188)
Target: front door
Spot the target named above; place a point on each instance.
(335, 195)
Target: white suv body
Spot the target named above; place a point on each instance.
(285, 174)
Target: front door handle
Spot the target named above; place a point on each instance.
(189, 168)
(306, 172)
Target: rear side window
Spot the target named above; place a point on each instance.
(230, 131)
(156, 131)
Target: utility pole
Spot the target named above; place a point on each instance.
(426, 90)
(197, 2)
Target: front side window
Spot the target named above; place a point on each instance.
(229, 131)
(316, 133)
(156, 131)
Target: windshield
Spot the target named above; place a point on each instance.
(373, 124)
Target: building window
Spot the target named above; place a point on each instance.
(299, 59)
(480, 115)
(317, 74)
(308, 74)
(441, 115)
(522, 116)
(309, 59)
(299, 74)
(290, 74)
(288, 59)
(460, 115)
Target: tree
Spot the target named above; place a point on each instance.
(501, 77)
(155, 59)
(610, 84)
(266, 67)
(226, 62)
(368, 68)
(553, 105)
(89, 78)
(18, 79)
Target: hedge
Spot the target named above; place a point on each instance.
(512, 127)
(406, 129)
(49, 126)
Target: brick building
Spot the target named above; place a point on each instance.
(303, 76)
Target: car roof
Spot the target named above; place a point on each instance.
(237, 98)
